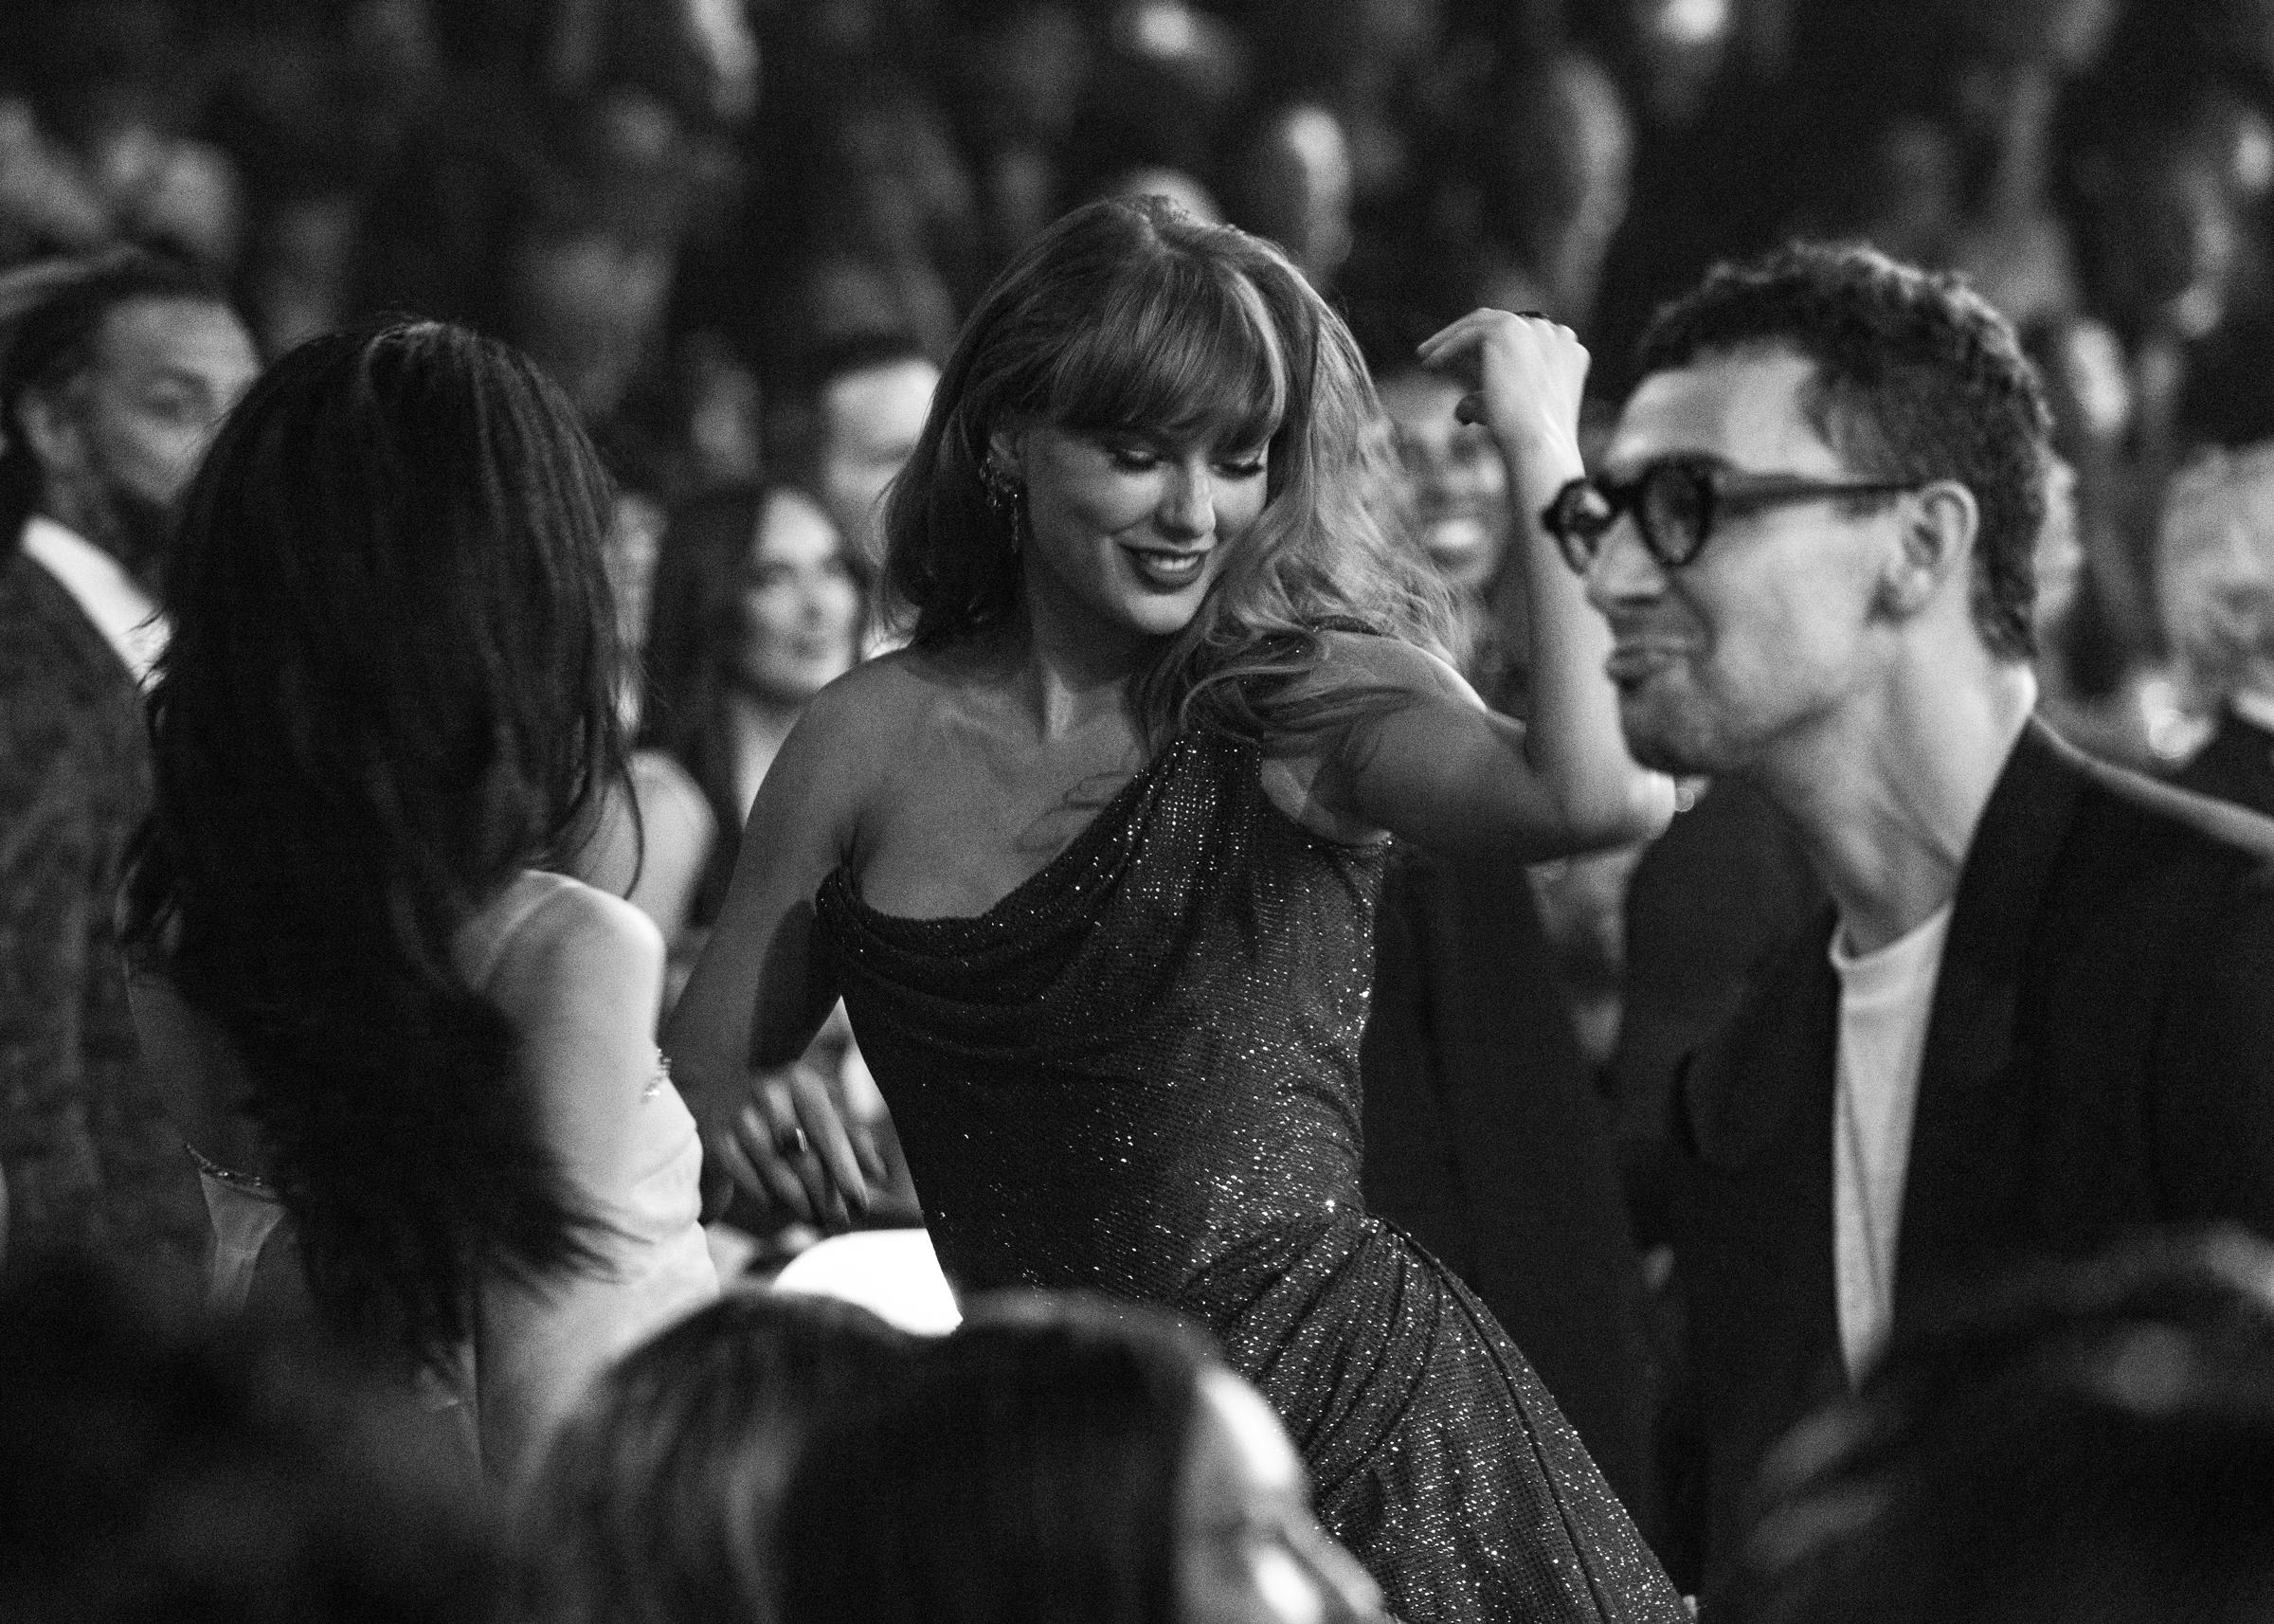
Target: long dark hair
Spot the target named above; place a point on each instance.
(1129, 314)
(658, 1501)
(1029, 1475)
(391, 685)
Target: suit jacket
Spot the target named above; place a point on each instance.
(1487, 1142)
(90, 1159)
(2099, 1058)
(2237, 765)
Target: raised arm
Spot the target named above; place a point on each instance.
(756, 997)
(1443, 770)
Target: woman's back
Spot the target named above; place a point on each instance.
(577, 974)
(391, 696)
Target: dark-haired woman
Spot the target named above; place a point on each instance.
(1093, 864)
(659, 1498)
(402, 1051)
(1066, 1460)
(757, 606)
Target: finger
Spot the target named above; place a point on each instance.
(738, 1169)
(792, 1146)
(754, 1133)
(1469, 330)
(869, 1152)
(832, 1145)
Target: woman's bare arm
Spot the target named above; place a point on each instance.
(757, 996)
(1443, 770)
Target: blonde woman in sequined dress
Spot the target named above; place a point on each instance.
(1093, 864)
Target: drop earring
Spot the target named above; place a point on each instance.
(1007, 496)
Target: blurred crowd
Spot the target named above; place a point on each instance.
(741, 235)
(677, 208)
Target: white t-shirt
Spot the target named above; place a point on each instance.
(106, 594)
(1886, 998)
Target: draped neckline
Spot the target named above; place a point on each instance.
(1103, 824)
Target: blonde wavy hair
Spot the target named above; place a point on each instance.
(1130, 314)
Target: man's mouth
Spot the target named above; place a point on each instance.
(1630, 663)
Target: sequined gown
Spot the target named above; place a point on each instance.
(1138, 1074)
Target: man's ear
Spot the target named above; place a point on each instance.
(1940, 523)
(51, 430)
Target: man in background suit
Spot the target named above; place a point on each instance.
(2215, 585)
(2039, 1012)
(109, 382)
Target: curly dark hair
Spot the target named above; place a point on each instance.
(1917, 378)
(392, 686)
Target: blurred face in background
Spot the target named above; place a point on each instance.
(797, 613)
(1455, 477)
(870, 423)
(587, 306)
(117, 441)
(2216, 559)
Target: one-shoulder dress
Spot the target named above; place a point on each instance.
(1137, 1074)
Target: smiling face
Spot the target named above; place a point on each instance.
(1126, 530)
(1773, 627)
(799, 607)
(1249, 1548)
(1458, 484)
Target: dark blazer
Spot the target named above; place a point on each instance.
(2099, 1058)
(2237, 765)
(1487, 1142)
(90, 1159)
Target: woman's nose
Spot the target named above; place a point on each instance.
(1188, 505)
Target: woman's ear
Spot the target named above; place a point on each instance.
(1006, 449)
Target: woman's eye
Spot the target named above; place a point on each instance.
(1137, 459)
(1242, 468)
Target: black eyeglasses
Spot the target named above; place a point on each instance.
(1674, 503)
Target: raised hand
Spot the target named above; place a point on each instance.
(1529, 374)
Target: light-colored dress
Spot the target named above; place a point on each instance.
(537, 1345)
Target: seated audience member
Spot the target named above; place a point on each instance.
(113, 373)
(1069, 1460)
(1484, 1138)
(153, 1467)
(658, 1500)
(2040, 1012)
(2217, 596)
(758, 605)
(854, 416)
(2096, 1443)
(385, 1029)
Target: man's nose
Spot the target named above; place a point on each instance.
(1622, 570)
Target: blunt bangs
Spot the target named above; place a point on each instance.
(1180, 347)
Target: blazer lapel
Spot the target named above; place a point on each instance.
(1756, 1110)
(1968, 1138)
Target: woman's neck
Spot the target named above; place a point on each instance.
(1072, 669)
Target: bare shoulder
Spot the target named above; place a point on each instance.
(572, 946)
(853, 729)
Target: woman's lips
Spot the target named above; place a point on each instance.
(1167, 569)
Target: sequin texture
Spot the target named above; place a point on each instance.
(1138, 1074)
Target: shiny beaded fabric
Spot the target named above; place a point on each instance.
(1138, 1074)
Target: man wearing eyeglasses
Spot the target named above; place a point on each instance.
(2040, 1011)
